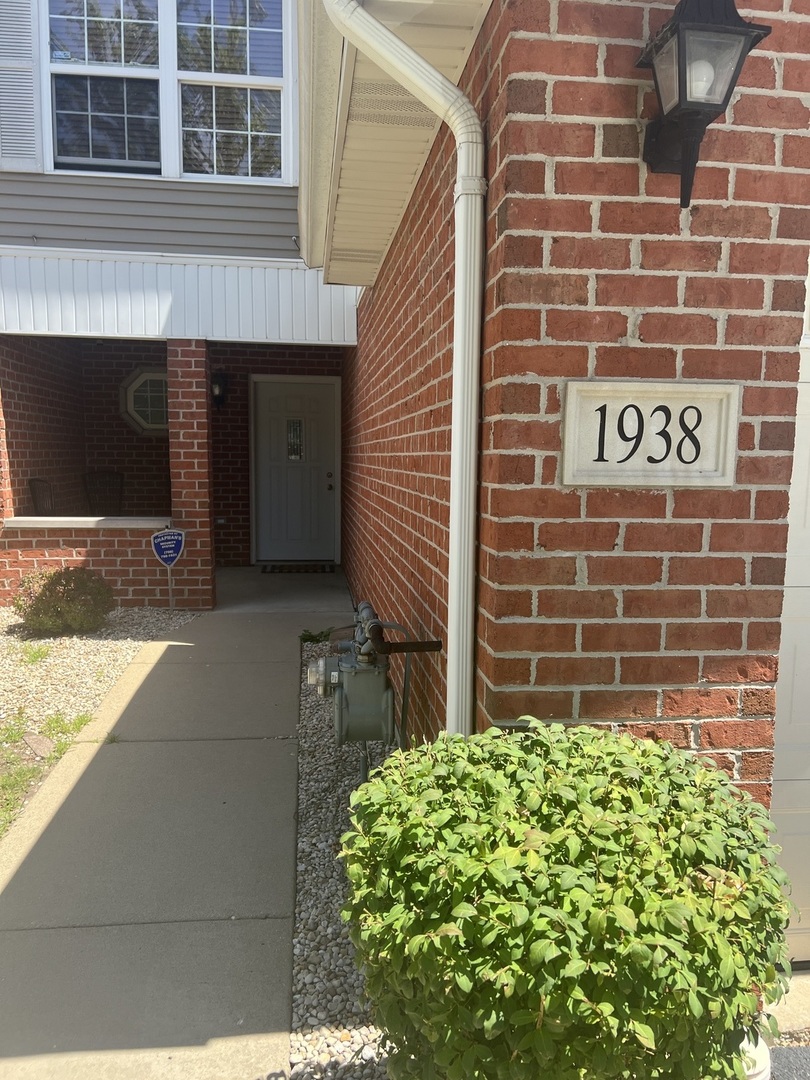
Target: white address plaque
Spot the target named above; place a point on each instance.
(650, 434)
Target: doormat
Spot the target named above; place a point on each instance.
(298, 568)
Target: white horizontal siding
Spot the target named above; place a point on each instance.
(115, 295)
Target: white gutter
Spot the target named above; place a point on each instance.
(445, 99)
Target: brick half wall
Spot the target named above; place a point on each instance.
(123, 557)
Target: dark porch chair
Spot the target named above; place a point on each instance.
(42, 496)
(105, 489)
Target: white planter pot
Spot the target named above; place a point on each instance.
(757, 1060)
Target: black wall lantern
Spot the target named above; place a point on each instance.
(696, 59)
(219, 388)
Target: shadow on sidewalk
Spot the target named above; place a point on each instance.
(148, 891)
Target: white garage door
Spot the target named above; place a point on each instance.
(791, 796)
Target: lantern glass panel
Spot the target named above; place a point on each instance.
(666, 74)
(711, 61)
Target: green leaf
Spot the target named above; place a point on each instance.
(568, 879)
(597, 922)
(695, 1007)
(726, 970)
(573, 968)
(542, 951)
(520, 914)
(688, 846)
(644, 1033)
(464, 911)
(640, 954)
(625, 916)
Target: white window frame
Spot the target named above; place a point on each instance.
(169, 95)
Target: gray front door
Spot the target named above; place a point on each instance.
(295, 470)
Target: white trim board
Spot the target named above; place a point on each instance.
(105, 294)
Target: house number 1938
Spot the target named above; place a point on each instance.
(650, 433)
(630, 428)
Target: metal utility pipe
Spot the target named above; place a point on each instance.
(442, 97)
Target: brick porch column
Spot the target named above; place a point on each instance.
(190, 464)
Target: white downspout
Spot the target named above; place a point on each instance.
(445, 99)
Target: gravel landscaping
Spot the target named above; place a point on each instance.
(332, 1034)
(76, 670)
(51, 686)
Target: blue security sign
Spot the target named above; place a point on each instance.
(168, 545)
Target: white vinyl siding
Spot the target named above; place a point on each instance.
(20, 125)
(103, 295)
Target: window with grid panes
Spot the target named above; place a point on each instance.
(224, 61)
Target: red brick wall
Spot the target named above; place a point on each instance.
(113, 443)
(658, 609)
(189, 399)
(62, 414)
(43, 423)
(231, 431)
(123, 557)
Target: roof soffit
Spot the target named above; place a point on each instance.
(368, 138)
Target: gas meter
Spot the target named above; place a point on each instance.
(358, 683)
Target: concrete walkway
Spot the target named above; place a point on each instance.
(147, 893)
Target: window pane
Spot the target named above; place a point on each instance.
(194, 48)
(231, 108)
(265, 111)
(230, 12)
(107, 96)
(143, 140)
(122, 125)
(149, 402)
(141, 44)
(295, 440)
(141, 9)
(266, 13)
(265, 155)
(266, 55)
(65, 7)
(108, 138)
(103, 42)
(70, 94)
(198, 152)
(72, 135)
(194, 11)
(197, 106)
(67, 39)
(230, 51)
(105, 9)
(142, 97)
(232, 154)
(102, 23)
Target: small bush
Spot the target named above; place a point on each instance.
(563, 903)
(72, 600)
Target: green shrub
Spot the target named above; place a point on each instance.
(72, 600)
(563, 903)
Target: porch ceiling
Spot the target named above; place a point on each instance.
(365, 140)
